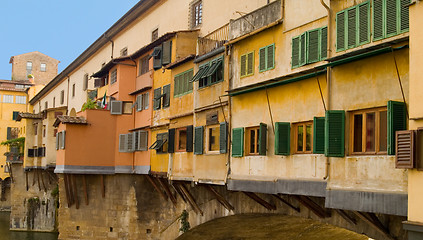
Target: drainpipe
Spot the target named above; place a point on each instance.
(67, 98)
(328, 75)
(134, 111)
(113, 43)
(229, 77)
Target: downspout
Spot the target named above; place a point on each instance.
(135, 84)
(67, 98)
(328, 76)
(113, 43)
(229, 77)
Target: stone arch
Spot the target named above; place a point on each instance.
(72, 112)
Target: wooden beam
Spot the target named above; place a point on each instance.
(260, 201)
(191, 199)
(312, 206)
(345, 216)
(26, 181)
(42, 180)
(70, 189)
(65, 180)
(103, 188)
(297, 209)
(373, 224)
(179, 191)
(165, 186)
(220, 198)
(33, 179)
(38, 180)
(153, 182)
(84, 182)
(75, 191)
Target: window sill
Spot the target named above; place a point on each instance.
(213, 153)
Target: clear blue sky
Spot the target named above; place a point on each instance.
(59, 28)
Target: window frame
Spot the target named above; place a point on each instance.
(43, 69)
(177, 81)
(217, 139)
(295, 137)
(177, 138)
(303, 48)
(196, 14)
(246, 64)
(143, 65)
(364, 113)
(209, 78)
(248, 130)
(154, 34)
(113, 76)
(266, 55)
(29, 65)
(163, 137)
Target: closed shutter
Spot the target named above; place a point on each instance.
(157, 98)
(223, 137)
(352, 27)
(146, 100)
(116, 107)
(323, 43)
(166, 95)
(270, 56)
(263, 139)
(334, 133)
(405, 149)
(143, 140)
(190, 138)
(237, 142)
(57, 140)
(130, 142)
(139, 103)
(243, 65)
(262, 59)
(198, 140)
(391, 17)
(9, 133)
(378, 26)
(282, 138)
(122, 142)
(171, 141)
(363, 23)
(396, 122)
(177, 87)
(187, 78)
(319, 135)
(167, 52)
(404, 16)
(295, 61)
(340, 31)
(250, 63)
(313, 46)
(157, 57)
(303, 47)
(136, 140)
(63, 140)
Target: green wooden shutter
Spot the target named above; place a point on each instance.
(237, 142)
(262, 59)
(363, 23)
(157, 60)
(303, 48)
(295, 61)
(167, 52)
(243, 65)
(198, 140)
(270, 56)
(404, 16)
(176, 86)
(188, 78)
(250, 63)
(190, 140)
(223, 137)
(171, 141)
(391, 17)
(319, 135)
(282, 138)
(263, 139)
(378, 22)
(157, 98)
(397, 121)
(323, 43)
(340, 31)
(9, 133)
(313, 46)
(166, 95)
(334, 133)
(351, 27)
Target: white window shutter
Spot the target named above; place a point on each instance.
(62, 142)
(116, 107)
(139, 103)
(143, 140)
(130, 143)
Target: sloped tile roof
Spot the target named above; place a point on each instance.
(69, 120)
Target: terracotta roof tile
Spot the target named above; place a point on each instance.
(69, 120)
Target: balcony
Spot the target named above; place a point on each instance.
(213, 40)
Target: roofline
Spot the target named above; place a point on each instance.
(129, 17)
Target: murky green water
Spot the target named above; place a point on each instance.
(5, 234)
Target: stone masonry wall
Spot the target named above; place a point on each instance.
(35, 209)
(133, 209)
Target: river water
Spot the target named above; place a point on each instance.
(6, 234)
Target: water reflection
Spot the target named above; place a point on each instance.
(5, 234)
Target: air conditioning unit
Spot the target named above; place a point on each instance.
(116, 107)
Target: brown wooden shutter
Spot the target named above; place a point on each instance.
(404, 154)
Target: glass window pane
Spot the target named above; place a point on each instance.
(308, 137)
(252, 141)
(300, 133)
(382, 131)
(358, 133)
(370, 131)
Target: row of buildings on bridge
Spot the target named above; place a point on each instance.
(316, 99)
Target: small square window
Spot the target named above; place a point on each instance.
(143, 65)
(303, 137)
(124, 52)
(181, 140)
(160, 145)
(113, 76)
(154, 34)
(73, 90)
(252, 140)
(29, 66)
(43, 67)
(213, 137)
(196, 14)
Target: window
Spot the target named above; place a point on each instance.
(43, 67)
(143, 65)
(160, 145)
(157, 57)
(73, 90)
(15, 115)
(46, 105)
(44, 130)
(213, 137)
(142, 101)
(353, 27)
(390, 17)
(124, 52)
(8, 98)
(62, 96)
(309, 47)
(35, 129)
(19, 86)
(54, 102)
(157, 100)
(209, 73)
(183, 84)
(369, 131)
(196, 14)
(154, 34)
(267, 58)
(247, 64)
(20, 99)
(113, 76)
(127, 107)
(85, 84)
(29, 66)
(12, 133)
(303, 137)
(166, 96)
(60, 140)
(181, 140)
(252, 140)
